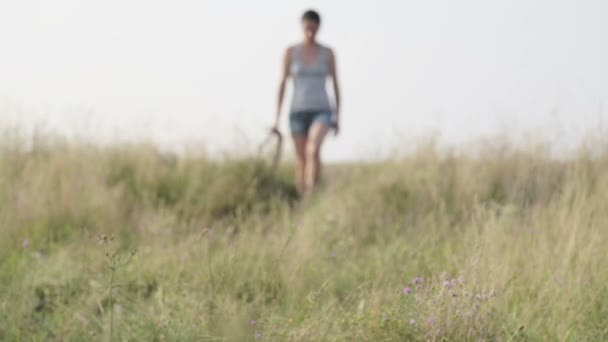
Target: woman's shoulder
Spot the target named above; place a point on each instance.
(290, 50)
(293, 47)
(327, 48)
(329, 51)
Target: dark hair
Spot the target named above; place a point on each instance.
(312, 15)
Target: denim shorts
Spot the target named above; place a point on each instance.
(300, 122)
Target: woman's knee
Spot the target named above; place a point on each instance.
(300, 161)
(301, 154)
(312, 151)
(300, 148)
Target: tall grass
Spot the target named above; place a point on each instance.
(506, 244)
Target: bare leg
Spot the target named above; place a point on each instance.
(299, 142)
(316, 135)
(319, 169)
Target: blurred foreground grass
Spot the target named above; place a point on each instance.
(504, 244)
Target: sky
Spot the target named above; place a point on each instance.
(186, 72)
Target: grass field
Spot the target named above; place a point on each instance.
(496, 244)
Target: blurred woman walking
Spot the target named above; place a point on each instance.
(312, 115)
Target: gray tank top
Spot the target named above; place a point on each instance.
(309, 92)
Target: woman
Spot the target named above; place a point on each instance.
(311, 116)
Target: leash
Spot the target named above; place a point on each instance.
(278, 138)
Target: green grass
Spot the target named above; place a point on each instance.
(510, 245)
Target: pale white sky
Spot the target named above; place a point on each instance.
(184, 70)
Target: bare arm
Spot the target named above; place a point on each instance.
(284, 76)
(334, 75)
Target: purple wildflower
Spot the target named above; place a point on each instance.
(432, 321)
(448, 284)
(407, 290)
(417, 281)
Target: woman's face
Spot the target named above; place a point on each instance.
(310, 29)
